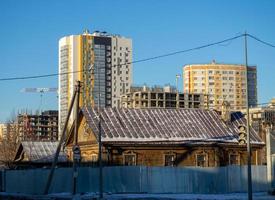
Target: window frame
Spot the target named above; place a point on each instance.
(130, 154)
(238, 158)
(173, 160)
(206, 159)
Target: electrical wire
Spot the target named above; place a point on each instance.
(259, 40)
(136, 61)
(143, 60)
(188, 50)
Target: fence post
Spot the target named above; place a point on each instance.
(2, 180)
(268, 158)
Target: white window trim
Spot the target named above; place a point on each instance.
(206, 159)
(130, 154)
(166, 154)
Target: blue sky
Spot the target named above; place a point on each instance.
(30, 31)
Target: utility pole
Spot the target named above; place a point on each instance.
(99, 139)
(50, 176)
(177, 77)
(76, 148)
(249, 180)
(177, 91)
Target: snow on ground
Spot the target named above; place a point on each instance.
(65, 196)
(235, 196)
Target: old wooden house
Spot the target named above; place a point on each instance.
(163, 137)
(38, 154)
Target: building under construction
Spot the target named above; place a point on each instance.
(42, 126)
(158, 97)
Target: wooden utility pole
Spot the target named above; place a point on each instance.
(76, 148)
(99, 142)
(249, 180)
(50, 176)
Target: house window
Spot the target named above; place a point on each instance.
(94, 157)
(129, 159)
(201, 160)
(233, 159)
(169, 159)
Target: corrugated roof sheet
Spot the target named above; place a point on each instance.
(42, 151)
(165, 125)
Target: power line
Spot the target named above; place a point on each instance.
(38, 76)
(259, 40)
(136, 61)
(188, 50)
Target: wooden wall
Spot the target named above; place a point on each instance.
(155, 156)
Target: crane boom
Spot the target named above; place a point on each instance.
(39, 90)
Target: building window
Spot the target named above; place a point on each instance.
(201, 160)
(129, 159)
(211, 77)
(169, 159)
(233, 159)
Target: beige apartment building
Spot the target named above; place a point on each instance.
(3, 130)
(222, 82)
(161, 97)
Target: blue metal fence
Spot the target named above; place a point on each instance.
(138, 179)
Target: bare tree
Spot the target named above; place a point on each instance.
(9, 143)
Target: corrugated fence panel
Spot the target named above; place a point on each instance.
(135, 179)
(87, 180)
(273, 170)
(129, 179)
(259, 178)
(33, 181)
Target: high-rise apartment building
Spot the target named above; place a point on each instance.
(222, 82)
(102, 62)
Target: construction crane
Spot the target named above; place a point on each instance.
(39, 90)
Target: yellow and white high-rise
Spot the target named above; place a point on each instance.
(222, 82)
(102, 62)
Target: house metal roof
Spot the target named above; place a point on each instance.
(41, 151)
(165, 125)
